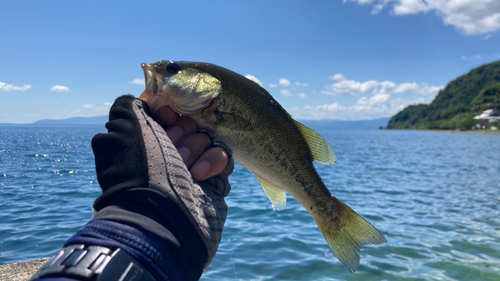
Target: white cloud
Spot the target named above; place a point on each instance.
(286, 93)
(351, 88)
(362, 2)
(10, 87)
(301, 84)
(273, 85)
(378, 106)
(410, 7)
(284, 82)
(376, 9)
(138, 81)
(254, 79)
(471, 17)
(387, 86)
(432, 91)
(346, 87)
(60, 89)
(472, 57)
(406, 87)
(338, 77)
(480, 57)
(90, 110)
(302, 95)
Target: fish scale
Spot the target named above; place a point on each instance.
(265, 139)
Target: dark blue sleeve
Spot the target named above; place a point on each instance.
(167, 246)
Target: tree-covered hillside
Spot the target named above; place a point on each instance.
(457, 104)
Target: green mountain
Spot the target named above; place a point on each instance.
(456, 105)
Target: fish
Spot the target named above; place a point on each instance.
(266, 140)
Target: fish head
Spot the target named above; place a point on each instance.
(186, 90)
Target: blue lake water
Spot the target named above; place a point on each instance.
(435, 197)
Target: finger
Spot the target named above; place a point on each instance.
(211, 163)
(193, 147)
(166, 116)
(183, 127)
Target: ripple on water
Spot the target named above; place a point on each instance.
(434, 196)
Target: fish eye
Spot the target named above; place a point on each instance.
(173, 67)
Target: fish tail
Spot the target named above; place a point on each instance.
(346, 231)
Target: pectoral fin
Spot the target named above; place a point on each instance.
(322, 151)
(275, 194)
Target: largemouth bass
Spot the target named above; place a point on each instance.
(265, 139)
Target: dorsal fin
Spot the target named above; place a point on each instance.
(275, 194)
(322, 151)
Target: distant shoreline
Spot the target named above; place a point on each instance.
(47, 125)
(102, 120)
(486, 132)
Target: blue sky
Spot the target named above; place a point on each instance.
(346, 60)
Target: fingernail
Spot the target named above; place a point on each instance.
(175, 134)
(200, 170)
(185, 153)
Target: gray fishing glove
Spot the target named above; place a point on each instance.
(137, 157)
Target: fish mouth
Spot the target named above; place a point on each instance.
(153, 81)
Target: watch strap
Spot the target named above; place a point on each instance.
(89, 263)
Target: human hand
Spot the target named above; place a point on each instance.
(153, 162)
(202, 160)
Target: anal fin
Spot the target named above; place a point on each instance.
(275, 194)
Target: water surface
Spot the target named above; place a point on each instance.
(434, 196)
